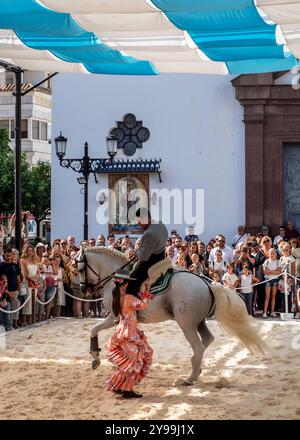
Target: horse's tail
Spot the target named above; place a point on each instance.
(232, 314)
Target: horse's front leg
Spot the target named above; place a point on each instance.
(108, 322)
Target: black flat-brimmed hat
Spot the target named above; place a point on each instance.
(123, 274)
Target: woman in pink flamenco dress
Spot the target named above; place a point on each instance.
(128, 348)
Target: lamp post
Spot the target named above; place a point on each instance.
(85, 166)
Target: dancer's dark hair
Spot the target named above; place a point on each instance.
(116, 304)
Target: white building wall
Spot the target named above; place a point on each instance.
(35, 105)
(196, 129)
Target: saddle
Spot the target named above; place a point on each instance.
(159, 277)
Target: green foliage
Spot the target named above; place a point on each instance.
(36, 182)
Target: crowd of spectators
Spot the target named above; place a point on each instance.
(50, 272)
(253, 265)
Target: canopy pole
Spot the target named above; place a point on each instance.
(18, 152)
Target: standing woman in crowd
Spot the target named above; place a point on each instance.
(31, 271)
(218, 264)
(48, 277)
(208, 250)
(245, 257)
(40, 249)
(294, 242)
(194, 248)
(73, 275)
(272, 267)
(59, 275)
(261, 257)
(185, 250)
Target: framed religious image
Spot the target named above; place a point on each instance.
(128, 192)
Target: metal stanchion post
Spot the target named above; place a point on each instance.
(286, 291)
(33, 306)
(286, 315)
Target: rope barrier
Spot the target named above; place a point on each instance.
(10, 312)
(82, 299)
(295, 278)
(44, 303)
(252, 285)
(101, 299)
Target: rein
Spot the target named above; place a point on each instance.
(102, 282)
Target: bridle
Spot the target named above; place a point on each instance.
(101, 282)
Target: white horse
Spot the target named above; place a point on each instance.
(189, 300)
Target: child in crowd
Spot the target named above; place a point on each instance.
(287, 260)
(180, 262)
(218, 264)
(246, 280)
(196, 266)
(216, 279)
(281, 289)
(229, 278)
(272, 268)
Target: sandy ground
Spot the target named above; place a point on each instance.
(45, 374)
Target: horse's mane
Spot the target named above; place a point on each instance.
(105, 250)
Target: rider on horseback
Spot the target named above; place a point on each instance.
(151, 251)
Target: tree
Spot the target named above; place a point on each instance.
(36, 182)
(6, 174)
(37, 190)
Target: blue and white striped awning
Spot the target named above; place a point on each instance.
(143, 37)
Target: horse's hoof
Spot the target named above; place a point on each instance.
(95, 363)
(183, 383)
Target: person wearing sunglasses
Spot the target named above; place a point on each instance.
(92, 242)
(287, 260)
(226, 251)
(261, 257)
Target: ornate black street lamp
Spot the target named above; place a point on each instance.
(86, 166)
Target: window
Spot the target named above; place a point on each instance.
(24, 129)
(35, 129)
(44, 130)
(39, 130)
(4, 124)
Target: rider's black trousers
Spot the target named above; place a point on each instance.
(140, 272)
